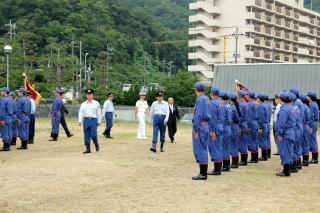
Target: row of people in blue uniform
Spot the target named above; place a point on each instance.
(14, 118)
(233, 124)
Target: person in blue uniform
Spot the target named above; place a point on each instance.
(314, 111)
(90, 115)
(13, 96)
(242, 145)
(253, 145)
(297, 107)
(216, 131)
(268, 125)
(23, 119)
(159, 112)
(263, 126)
(6, 118)
(55, 114)
(285, 130)
(306, 131)
(108, 111)
(200, 130)
(234, 130)
(227, 122)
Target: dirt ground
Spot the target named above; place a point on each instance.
(126, 177)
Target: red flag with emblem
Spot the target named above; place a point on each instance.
(36, 96)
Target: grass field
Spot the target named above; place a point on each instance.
(126, 177)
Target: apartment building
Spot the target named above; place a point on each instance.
(252, 31)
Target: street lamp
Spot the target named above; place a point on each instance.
(8, 51)
(85, 66)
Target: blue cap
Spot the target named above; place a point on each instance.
(285, 90)
(232, 96)
(22, 90)
(285, 95)
(223, 95)
(12, 94)
(303, 97)
(292, 96)
(294, 91)
(57, 91)
(215, 90)
(5, 89)
(312, 94)
(199, 85)
(241, 93)
(251, 93)
(260, 95)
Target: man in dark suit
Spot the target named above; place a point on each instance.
(63, 120)
(174, 116)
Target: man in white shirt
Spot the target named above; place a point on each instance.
(108, 111)
(159, 117)
(90, 116)
(140, 113)
(32, 119)
(277, 101)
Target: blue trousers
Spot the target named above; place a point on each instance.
(6, 130)
(55, 124)
(90, 129)
(23, 129)
(158, 126)
(14, 129)
(109, 120)
(305, 140)
(215, 148)
(234, 140)
(263, 139)
(226, 142)
(268, 136)
(253, 143)
(242, 143)
(285, 149)
(297, 150)
(313, 145)
(200, 145)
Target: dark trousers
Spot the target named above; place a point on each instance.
(32, 125)
(64, 125)
(172, 129)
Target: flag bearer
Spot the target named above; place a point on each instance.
(23, 119)
(6, 118)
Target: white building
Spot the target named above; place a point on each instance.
(268, 31)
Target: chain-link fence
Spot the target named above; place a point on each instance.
(125, 113)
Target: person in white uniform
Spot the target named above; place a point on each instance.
(140, 114)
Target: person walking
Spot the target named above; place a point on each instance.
(108, 111)
(174, 117)
(32, 124)
(63, 120)
(140, 111)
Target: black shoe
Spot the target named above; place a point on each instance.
(314, 158)
(305, 161)
(88, 150)
(226, 166)
(244, 160)
(13, 141)
(235, 163)
(199, 177)
(69, 136)
(264, 155)
(269, 153)
(294, 168)
(54, 137)
(299, 165)
(171, 141)
(254, 157)
(161, 147)
(108, 134)
(24, 145)
(203, 173)
(285, 172)
(6, 147)
(30, 142)
(97, 147)
(153, 147)
(217, 169)
(276, 153)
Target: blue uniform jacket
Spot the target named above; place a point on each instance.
(201, 111)
(216, 116)
(23, 106)
(306, 115)
(56, 105)
(314, 111)
(263, 115)
(252, 113)
(286, 122)
(244, 115)
(6, 109)
(235, 114)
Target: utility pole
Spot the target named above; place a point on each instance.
(109, 51)
(12, 28)
(170, 66)
(146, 59)
(236, 35)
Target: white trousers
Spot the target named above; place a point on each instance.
(142, 125)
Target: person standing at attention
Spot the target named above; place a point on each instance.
(140, 114)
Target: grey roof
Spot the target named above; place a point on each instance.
(269, 78)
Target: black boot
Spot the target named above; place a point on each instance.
(105, 133)
(70, 135)
(108, 134)
(54, 137)
(299, 165)
(161, 147)
(244, 159)
(217, 169)
(314, 158)
(226, 165)
(254, 157)
(24, 145)
(277, 153)
(13, 141)
(153, 147)
(88, 150)
(30, 141)
(97, 147)
(286, 171)
(305, 160)
(294, 167)
(269, 153)
(203, 173)
(264, 155)
(6, 147)
(235, 162)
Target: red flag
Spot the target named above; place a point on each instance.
(36, 96)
